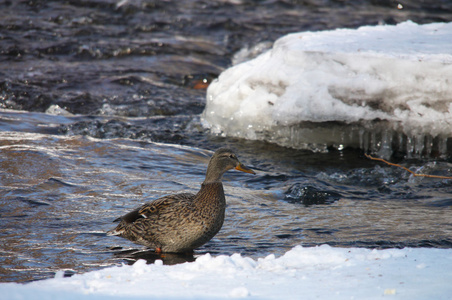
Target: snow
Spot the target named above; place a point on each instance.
(397, 75)
(322, 272)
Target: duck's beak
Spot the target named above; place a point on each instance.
(245, 169)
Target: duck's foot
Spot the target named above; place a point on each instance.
(158, 250)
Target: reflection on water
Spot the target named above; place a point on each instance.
(59, 195)
(150, 256)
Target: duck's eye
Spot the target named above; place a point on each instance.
(231, 156)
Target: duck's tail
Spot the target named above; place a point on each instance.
(114, 232)
(118, 230)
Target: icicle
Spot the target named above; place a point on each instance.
(386, 144)
(428, 145)
(419, 144)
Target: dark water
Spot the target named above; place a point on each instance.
(130, 72)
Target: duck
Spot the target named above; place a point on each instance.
(180, 223)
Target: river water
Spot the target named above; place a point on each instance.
(100, 112)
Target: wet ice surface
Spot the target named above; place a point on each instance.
(117, 80)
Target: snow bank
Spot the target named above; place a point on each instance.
(317, 89)
(320, 272)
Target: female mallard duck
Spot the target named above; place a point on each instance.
(182, 222)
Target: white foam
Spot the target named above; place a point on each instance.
(312, 85)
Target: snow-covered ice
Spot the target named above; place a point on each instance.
(317, 89)
(322, 272)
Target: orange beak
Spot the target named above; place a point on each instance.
(242, 168)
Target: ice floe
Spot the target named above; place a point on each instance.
(380, 88)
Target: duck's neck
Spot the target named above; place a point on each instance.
(210, 192)
(213, 174)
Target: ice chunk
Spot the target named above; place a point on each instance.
(55, 109)
(375, 87)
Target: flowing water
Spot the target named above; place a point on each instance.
(100, 104)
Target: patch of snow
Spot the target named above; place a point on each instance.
(322, 272)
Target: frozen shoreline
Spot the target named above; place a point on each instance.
(322, 272)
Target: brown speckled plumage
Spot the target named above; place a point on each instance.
(182, 222)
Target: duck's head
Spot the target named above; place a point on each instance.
(224, 160)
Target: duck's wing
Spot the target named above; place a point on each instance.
(160, 206)
(129, 217)
(150, 210)
(155, 207)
